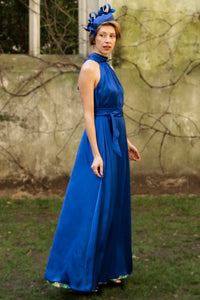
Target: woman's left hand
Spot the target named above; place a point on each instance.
(133, 152)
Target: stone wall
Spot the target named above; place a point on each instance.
(40, 118)
(157, 61)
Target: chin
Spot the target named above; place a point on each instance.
(106, 51)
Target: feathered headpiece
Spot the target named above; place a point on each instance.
(104, 15)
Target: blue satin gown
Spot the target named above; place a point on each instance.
(92, 242)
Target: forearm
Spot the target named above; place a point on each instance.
(128, 142)
(91, 133)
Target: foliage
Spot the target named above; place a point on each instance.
(59, 26)
(13, 27)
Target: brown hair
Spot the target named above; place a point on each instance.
(111, 23)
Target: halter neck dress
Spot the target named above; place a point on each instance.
(92, 243)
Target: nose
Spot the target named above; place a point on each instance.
(107, 38)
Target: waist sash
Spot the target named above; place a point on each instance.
(113, 113)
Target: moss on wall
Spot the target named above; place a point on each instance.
(158, 63)
(158, 59)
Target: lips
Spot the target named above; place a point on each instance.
(107, 47)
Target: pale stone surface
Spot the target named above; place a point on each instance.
(157, 61)
(158, 56)
(163, 5)
(36, 129)
(34, 27)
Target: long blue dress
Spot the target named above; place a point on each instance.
(92, 242)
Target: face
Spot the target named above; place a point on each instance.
(105, 40)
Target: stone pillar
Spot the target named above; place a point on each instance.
(83, 35)
(85, 7)
(34, 27)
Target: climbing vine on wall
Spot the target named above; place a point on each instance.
(160, 53)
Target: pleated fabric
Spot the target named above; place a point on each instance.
(92, 242)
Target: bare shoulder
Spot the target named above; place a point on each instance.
(90, 67)
(90, 71)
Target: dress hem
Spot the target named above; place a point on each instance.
(66, 286)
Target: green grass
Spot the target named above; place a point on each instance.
(166, 250)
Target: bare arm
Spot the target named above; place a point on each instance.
(88, 79)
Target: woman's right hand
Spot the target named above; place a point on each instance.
(97, 166)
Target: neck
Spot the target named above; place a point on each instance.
(95, 51)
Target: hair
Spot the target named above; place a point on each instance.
(107, 23)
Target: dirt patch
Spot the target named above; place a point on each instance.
(28, 190)
(141, 184)
(156, 184)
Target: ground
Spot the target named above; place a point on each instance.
(141, 184)
(165, 243)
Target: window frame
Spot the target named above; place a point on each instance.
(84, 8)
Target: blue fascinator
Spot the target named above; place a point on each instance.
(104, 15)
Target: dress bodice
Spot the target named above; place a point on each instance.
(109, 91)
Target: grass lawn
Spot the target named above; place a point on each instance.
(166, 250)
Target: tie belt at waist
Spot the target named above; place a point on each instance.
(112, 113)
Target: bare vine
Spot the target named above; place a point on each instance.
(165, 123)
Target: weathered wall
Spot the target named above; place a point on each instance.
(159, 57)
(157, 61)
(40, 118)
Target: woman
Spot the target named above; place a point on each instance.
(92, 243)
